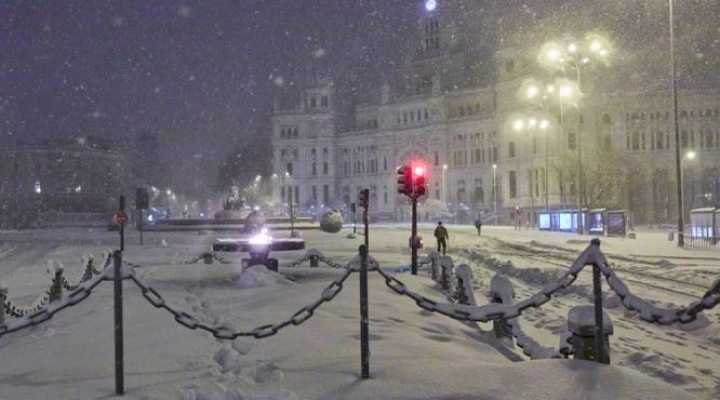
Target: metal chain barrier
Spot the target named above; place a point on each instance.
(318, 256)
(40, 301)
(491, 312)
(45, 312)
(226, 333)
(651, 313)
(90, 271)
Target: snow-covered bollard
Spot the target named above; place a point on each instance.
(446, 263)
(207, 257)
(503, 292)
(581, 323)
(435, 266)
(57, 285)
(464, 289)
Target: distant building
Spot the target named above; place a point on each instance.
(454, 107)
(64, 177)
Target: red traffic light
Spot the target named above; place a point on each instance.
(419, 181)
(405, 180)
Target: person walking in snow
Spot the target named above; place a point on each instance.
(441, 234)
(478, 225)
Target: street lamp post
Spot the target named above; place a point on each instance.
(495, 194)
(541, 95)
(531, 125)
(558, 55)
(688, 156)
(676, 127)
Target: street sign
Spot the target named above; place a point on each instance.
(121, 218)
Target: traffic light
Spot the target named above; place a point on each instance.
(364, 198)
(419, 181)
(405, 180)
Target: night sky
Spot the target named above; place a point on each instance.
(201, 75)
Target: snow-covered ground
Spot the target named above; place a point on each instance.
(415, 354)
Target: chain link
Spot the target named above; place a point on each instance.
(40, 315)
(39, 302)
(651, 313)
(320, 257)
(227, 333)
(484, 313)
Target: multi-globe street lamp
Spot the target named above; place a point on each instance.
(576, 55)
(543, 95)
(532, 125)
(688, 156)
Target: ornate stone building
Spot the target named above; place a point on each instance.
(454, 109)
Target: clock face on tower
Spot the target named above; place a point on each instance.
(430, 5)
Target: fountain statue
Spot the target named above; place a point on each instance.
(234, 208)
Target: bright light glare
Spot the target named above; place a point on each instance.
(532, 91)
(572, 47)
(419, 171)
(552, 55)
(544, 124)
(566, 91)
(690, 155)
(261, 238)
(430, 5)
(518, 124)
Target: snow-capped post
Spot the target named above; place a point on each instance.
(503, 292)
(364, 318)
(88, 274)
(117, 283)
(581, 323)
(207, 257)
(3, 297)
(435, 260)
(314, 260)
(464, 288)
(447, 269)
(57, 286)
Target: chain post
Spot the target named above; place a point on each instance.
(88, 274)
(57, 286)
(119, 364)
(3, 297)
(364, 318)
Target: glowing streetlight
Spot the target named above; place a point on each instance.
(543, 95)
(531, 125)
(688, 156)
(576, 55)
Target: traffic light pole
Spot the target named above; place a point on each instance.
(413, 240)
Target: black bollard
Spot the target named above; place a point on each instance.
(364, 318)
